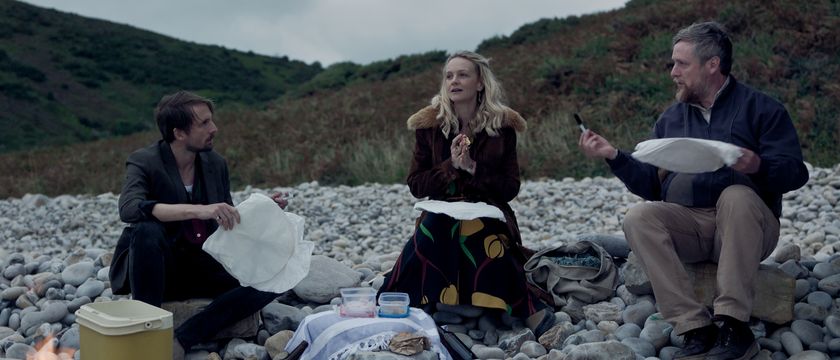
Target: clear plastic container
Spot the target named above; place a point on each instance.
(393, 304)
(358, 302)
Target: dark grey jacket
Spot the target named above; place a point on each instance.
(152, 177)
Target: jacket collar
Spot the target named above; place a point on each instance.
(427, 118)
(171, 166)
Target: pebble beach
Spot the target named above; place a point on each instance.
(55, 253)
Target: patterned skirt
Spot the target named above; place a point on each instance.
(462, 262)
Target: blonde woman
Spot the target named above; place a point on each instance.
(465, 151)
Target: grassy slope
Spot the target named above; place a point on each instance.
(65, 78)
(612, 68)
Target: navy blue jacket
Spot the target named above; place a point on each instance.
(741, 116)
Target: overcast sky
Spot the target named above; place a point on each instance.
(330, 31)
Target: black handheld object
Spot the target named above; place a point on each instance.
(456, 348)
(579, 122)
(297, 352)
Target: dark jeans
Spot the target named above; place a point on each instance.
(165, 269)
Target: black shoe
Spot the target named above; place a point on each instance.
(735, 341)
(698, 342)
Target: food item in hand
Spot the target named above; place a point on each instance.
(467, 140)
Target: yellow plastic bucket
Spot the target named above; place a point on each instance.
(124, 329)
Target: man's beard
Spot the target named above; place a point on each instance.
(690, 95)
(199, 149)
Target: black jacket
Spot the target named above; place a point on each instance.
(152, 177)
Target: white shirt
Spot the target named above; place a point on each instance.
(707, 113)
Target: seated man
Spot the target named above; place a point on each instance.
(176, 193)
(729, 216)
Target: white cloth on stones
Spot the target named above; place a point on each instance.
(687, 155)
(333, 337)
(461, 210)
(266, 249)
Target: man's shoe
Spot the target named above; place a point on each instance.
(698, 342)
(735, 341)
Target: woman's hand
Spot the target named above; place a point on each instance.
(460, 151)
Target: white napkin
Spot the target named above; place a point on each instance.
(266, 249)
(687, 155)
(461, 210)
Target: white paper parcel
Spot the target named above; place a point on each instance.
(266, 249)
(461, 210)
(687, 155)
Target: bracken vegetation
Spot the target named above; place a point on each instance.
(346, 125)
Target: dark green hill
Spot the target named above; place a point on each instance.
(66, 78)
(346, 125)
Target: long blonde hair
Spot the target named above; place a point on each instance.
(490, 111)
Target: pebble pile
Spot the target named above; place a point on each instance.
(55, 252)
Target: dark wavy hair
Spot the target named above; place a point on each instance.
(174, 111)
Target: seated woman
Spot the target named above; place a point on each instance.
(465, 150)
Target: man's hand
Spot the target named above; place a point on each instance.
(227, 216)
(748, 163)
(280, 199)
(595, 146)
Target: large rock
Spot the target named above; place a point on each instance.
(279, 317)
(325, 279)
(774, 290)
(614, 245)
(635, 279)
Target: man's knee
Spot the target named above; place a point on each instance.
(148, 233)
(639, 215)
(738, 195)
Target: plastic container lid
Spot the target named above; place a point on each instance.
(123, 317)
(358, 292)
(393, 298)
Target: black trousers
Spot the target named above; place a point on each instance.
(162, 268)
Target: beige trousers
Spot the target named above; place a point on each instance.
(737, 234)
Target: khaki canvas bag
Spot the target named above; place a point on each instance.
(583, 270)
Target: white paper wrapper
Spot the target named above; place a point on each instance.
(266, 249)
(687, 155)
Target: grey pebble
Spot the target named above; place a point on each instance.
(791, 343)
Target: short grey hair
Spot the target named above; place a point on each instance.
(710, 39)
